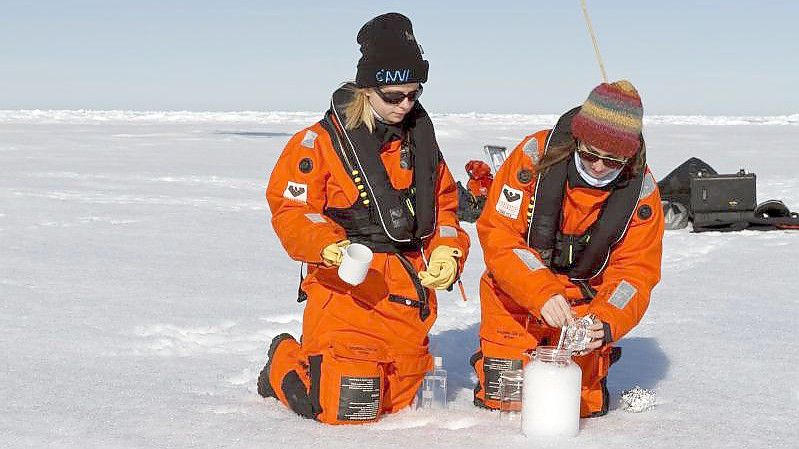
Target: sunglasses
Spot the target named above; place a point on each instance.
(589, 156)
(395, 97)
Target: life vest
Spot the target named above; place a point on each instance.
(384, 218)
(580, 257)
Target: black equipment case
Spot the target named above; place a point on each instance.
(720, 200)
(695, 191)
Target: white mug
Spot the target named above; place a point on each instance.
(355, 263)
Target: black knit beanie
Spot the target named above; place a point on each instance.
(390, 54)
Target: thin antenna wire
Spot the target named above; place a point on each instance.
(593, 39)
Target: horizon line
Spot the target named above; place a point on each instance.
(306, 112)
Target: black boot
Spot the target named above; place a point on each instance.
(264, 387)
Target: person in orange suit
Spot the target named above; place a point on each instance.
(480, 178)
(573, 227)
(369, 172)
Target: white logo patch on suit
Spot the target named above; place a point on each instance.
(296, 192)
(510, 202)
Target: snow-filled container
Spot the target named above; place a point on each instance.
(551, 394)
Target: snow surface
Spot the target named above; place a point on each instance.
(141, 283)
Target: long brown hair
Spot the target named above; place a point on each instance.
(560, 150)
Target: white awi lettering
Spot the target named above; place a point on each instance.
(393, 76)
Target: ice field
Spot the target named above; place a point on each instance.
(141, 283)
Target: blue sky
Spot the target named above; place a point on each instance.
(733, 57)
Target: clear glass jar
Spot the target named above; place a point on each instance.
(510, 394)
(434, 387)
(551, 400)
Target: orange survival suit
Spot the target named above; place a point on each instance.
(480, 178)
(555, 234)
(364, 349)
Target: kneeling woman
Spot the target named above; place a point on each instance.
(573, 226)
(369, 172)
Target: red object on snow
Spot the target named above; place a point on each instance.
(480, 178)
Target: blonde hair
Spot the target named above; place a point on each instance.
(358, 110)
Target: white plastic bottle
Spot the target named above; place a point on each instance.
(434, 386)
(551, 398)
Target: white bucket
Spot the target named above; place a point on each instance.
(355, 263)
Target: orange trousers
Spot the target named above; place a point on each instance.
(508, 333)
(364, 351)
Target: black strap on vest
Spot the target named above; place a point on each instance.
(580, 257)
(421, 291)
(405, 218)
(360, 221)
(391, 221)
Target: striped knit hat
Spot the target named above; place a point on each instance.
(611, 119)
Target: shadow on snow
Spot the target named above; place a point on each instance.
(643, 362)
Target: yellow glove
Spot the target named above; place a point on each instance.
(332, 254)
(442, 269)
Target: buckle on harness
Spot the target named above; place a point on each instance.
(567, 249)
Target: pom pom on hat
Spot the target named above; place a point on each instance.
(611, 119)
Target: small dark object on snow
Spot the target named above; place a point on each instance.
(774, 209)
